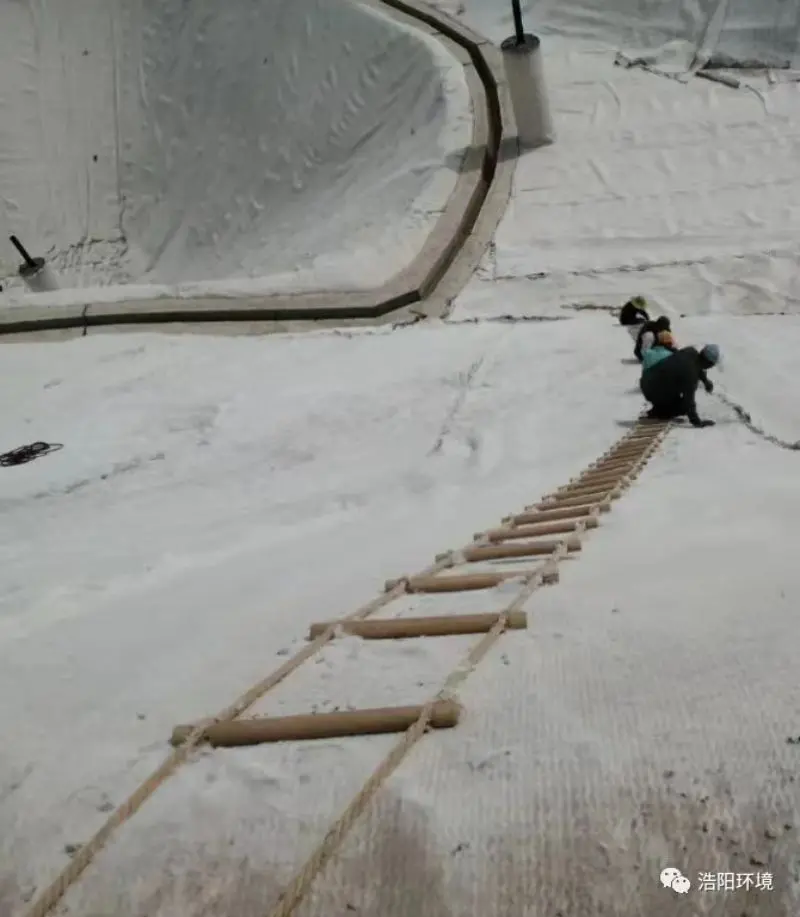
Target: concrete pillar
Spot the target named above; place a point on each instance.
(38, 277)
(525, 76)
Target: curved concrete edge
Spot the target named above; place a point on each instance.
(425, 288)
(498, 163)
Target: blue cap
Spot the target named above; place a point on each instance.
(710, 353)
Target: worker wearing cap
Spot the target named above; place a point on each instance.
(670, 384)
(634, 312)
(633, 315)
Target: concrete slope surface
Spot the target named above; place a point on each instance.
(288, 145)
(194, 524)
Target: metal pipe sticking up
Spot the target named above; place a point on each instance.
(35, 273)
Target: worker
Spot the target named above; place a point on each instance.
(648, 333)
(663, 347)
(634, 312)
(633, 315)
(671, 383)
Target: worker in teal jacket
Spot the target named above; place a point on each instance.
(663, 347)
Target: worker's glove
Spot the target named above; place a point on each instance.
(706, 423)
(709, 386)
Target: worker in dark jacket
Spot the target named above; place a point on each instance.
(670, 385)
(633, 315)
(634, 312)
(648, 334)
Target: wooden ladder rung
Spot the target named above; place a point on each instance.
(599, 479)
(584, 499)
(618, 469)
(626, 453)
(464, 582)
(524, 549)
(432, 626)
(648, 432)
(579, 513)
(507, 532)
(583, 490)
(629, 451)
(306, 726)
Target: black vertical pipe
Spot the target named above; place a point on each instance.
(518, 28)
(23, 251)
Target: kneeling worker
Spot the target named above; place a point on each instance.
(648, 334)
(671, 383)
(634, 312)
(664, 347)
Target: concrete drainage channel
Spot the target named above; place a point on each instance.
(425, 288)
